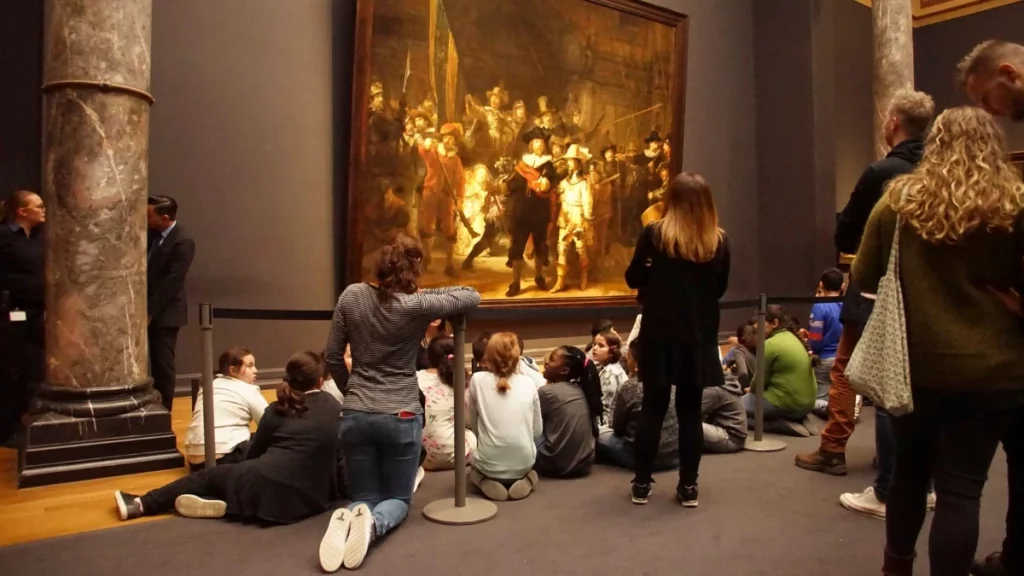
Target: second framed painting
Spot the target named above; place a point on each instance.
(521, 141)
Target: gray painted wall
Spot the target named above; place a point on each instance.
(242, 136)
(854, 54)
(938, 48)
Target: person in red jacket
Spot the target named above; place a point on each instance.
(443, 190)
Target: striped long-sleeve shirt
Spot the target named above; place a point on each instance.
(385, 339)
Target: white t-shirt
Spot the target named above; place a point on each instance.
(235, 404)
(507, 425)
(526, 368)
(332, 388)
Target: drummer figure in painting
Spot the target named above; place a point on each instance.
(443, 190)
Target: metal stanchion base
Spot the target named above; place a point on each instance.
(474, 512)
(765, 445)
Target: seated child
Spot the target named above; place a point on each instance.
(607, 354)
(289, 473)
(335, 388)
(725, 420)
(599, 326)
(741, 360)
(479, 347)
(528, 366)
(504, 411)
(823, 336)
(570, 405)
(616, 445)
(237, 401)
(789, 385)
(436, 384)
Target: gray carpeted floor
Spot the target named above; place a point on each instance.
(758, 515)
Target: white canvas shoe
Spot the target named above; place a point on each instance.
(864, 502)
(332, 546)
(360, 536)
(191, 506)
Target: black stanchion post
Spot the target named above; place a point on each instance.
(760, 443)
(206, 341)
(460, 511)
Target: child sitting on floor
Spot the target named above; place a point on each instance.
(570, 405)
(290, 471)
(741, 360)
(528, 366)
(616, 445)
(599, 326)
(237, 401)
(437, 385)
(823, 336)
(607, 353)
(504, 411)
(479, 347)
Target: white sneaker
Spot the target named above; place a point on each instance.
(864, 502)
(360, 535)
(420, 474)
(332, 546)
(932, 500)
(191, 506)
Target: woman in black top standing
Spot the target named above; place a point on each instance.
(22, 258)
(681, 267)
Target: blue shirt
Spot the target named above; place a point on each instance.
(825, 329)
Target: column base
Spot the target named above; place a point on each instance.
(60, 448)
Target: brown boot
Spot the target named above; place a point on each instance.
(898, 565)
(833, 463)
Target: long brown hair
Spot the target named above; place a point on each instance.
(502, 358)
(233, 357)
(689, 229)
(303, 373)
(398, 267)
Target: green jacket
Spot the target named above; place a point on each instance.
(789, 379)
(959, 335)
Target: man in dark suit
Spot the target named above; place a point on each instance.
(169, 256)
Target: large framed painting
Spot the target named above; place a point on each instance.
(522, 141)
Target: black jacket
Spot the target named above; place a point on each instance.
(850, 226)
(680, 298)
(168, 264)
(22, 259)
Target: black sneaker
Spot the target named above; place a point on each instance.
(128, 506)
(641, 492)
(687, 496)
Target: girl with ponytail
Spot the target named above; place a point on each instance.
(571, 406)
(436, 382)
(504, 412)
(290, 470)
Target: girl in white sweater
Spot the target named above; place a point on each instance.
(504, 411)
(237, 401)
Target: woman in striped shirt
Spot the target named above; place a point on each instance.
(382, 427)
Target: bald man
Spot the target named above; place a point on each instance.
(992, 75)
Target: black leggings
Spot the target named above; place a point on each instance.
(663, 366)
(952, 436)
(208, 483)
(1013, 545)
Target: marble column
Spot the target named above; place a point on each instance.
(99, 414)
(893, 25)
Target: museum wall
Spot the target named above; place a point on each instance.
(854, 54)
(939, 47)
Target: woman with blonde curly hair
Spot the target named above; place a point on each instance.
(959, 217)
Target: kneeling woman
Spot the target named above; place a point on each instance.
(290, 472)
(789, 384)
(504, 411)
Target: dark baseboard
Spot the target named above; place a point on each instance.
(60, 448)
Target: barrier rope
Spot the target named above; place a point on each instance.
(102, 86)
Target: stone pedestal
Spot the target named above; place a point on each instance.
(99, 413)
(893, 25)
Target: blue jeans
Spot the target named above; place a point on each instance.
(771, 412)
(382, 453)
(885, 453)
(822, 374)
(614, 450)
